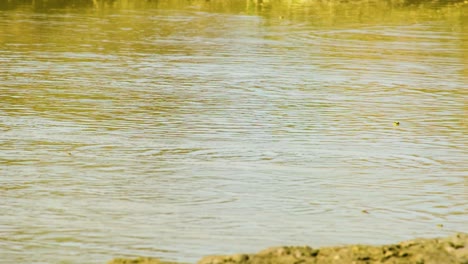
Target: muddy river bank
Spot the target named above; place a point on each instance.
(453, 249)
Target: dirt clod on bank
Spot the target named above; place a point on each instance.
(450, 250)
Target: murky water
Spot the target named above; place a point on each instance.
(178, 131)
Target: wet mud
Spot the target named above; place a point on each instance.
(453, 249)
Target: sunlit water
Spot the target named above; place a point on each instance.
(179, 132)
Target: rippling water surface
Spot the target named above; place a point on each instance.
(181, 131)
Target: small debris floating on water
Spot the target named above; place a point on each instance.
(365, 211)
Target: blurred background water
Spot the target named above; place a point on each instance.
(178, 129)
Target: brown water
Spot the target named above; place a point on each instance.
(175, 130)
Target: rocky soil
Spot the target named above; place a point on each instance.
(448, 250)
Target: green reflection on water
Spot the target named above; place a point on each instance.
(318, 12)
(315, 13)
(286, 7)
(127, 34)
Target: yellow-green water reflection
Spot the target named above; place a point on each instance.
(179, 129)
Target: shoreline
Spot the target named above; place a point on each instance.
(446, 250)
